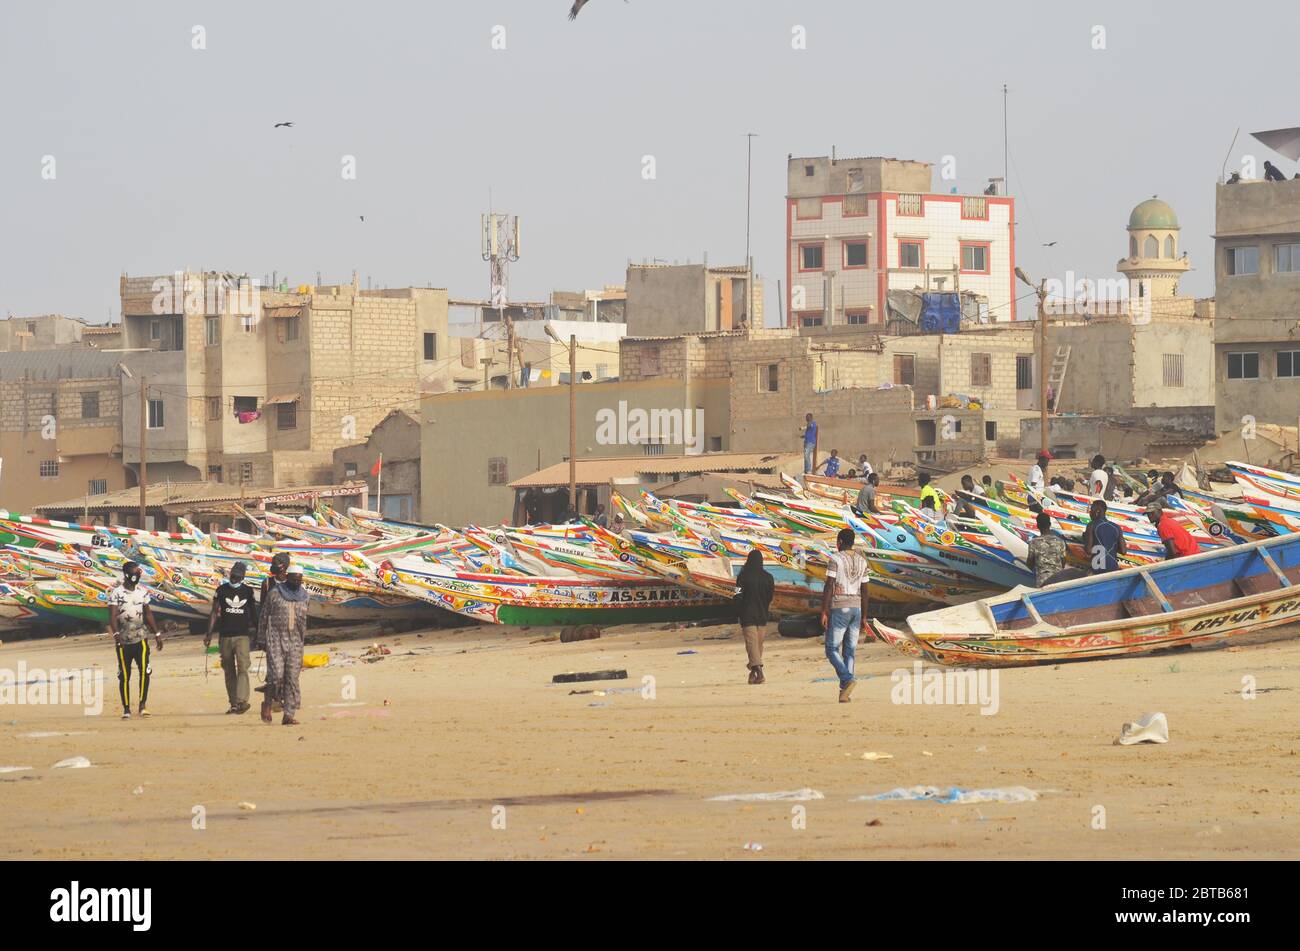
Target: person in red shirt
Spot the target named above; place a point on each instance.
(1178, 542)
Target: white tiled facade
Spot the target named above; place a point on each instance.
(941, 224)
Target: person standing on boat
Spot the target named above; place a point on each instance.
(752, 601)
(844, 605)
(1103, 541)
(284, 624)
(867, 496)
(129, 616)
(1046, 552)
(1037, 479)
(809, 444)
(1178, 541)
(234, 615)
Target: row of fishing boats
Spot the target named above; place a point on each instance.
(960, 582)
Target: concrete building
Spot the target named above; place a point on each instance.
(473, 445)
(1257, 302)
(61, 422)
(55, 332)
(271, 382)
(859, 228)
(670, 299)
(395, 441)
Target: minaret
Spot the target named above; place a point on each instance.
(1155, 262)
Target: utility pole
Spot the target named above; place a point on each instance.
(573, 422)
(749, 263)
(144, 445)
(1042, 365)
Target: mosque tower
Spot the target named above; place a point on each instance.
(1155, 262)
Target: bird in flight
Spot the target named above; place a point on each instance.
(577, 7)
(1050, 244)
(363, 217)
(284, 125)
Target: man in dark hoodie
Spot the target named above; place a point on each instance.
(755, 596)
(234, 616)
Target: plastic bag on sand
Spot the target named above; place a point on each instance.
(792, 795)
(72, 762)
(315, 660)
(1152, 728)
(955, 795)
(14, 769)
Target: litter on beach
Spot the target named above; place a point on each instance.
(793, 795)
(1151, 728)
(72, 762)
(574, 677)
(953, 795)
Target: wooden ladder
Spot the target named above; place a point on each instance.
(1056, 375)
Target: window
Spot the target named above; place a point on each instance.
(981, 369)
(214, 407)
(214, 473)
(1288, 364)
(90, 405)
(602, 371)
(1243, 260)
(497, 471)
(430, 346)
(809, 171)
(97, 487)
(245, 472)
(990, 431)
(49, 468)
(1243, 366)
(245, 404)
(905, 369)
(975, 258)
(652, 447)
(155, 330)
(1286, 258)
(286, 416)
(769, 378)
(856, 180)
(855, 206)
(815, 319)
(292, 327)
(649, 361)
(212, 331)
(31, 326)
(1024, 371)
(1132, 246)
(715, 444)
(855, 254)
(155, 414)
(975, 207)
(806, 209)
(811, 257)
(1169, 246)
(911, 205)
(1173, 369)
(910, 254)
(1151, 247)
(858, 316)
(349, 469)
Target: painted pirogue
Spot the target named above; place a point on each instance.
(676, 560)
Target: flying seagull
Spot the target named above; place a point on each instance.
(284, 125)
(1050, 244)
(577, 7)
(363, 217)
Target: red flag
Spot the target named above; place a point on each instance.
(379, 463)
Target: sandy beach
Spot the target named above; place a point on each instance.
(457, 745)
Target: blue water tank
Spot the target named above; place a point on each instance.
(940, 313)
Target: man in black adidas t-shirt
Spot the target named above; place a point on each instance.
(234, 616)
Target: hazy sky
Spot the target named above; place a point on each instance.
(165, 156)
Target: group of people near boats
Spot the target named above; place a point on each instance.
(244, 619)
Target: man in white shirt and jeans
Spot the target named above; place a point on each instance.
(1038, 473)
(844, 605)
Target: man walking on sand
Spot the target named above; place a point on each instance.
(844, 605)
(284, 623)
(128, 617)
(234, 614)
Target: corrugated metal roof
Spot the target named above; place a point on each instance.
(601, 471)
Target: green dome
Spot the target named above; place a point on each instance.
(1152, 215)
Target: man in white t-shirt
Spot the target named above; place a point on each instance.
(1098, 480)
(1038, 473)
(844, 605)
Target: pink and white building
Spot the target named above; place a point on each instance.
(857, 228)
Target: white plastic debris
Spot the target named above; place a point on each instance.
(792, 795)
(72, 762)
(247, 806)
(14, 769)
(955, 795)
(753, 847)
(1151, 728)
(874, 757)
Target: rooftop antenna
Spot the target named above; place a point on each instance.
(1223, 171)
(502, 241)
